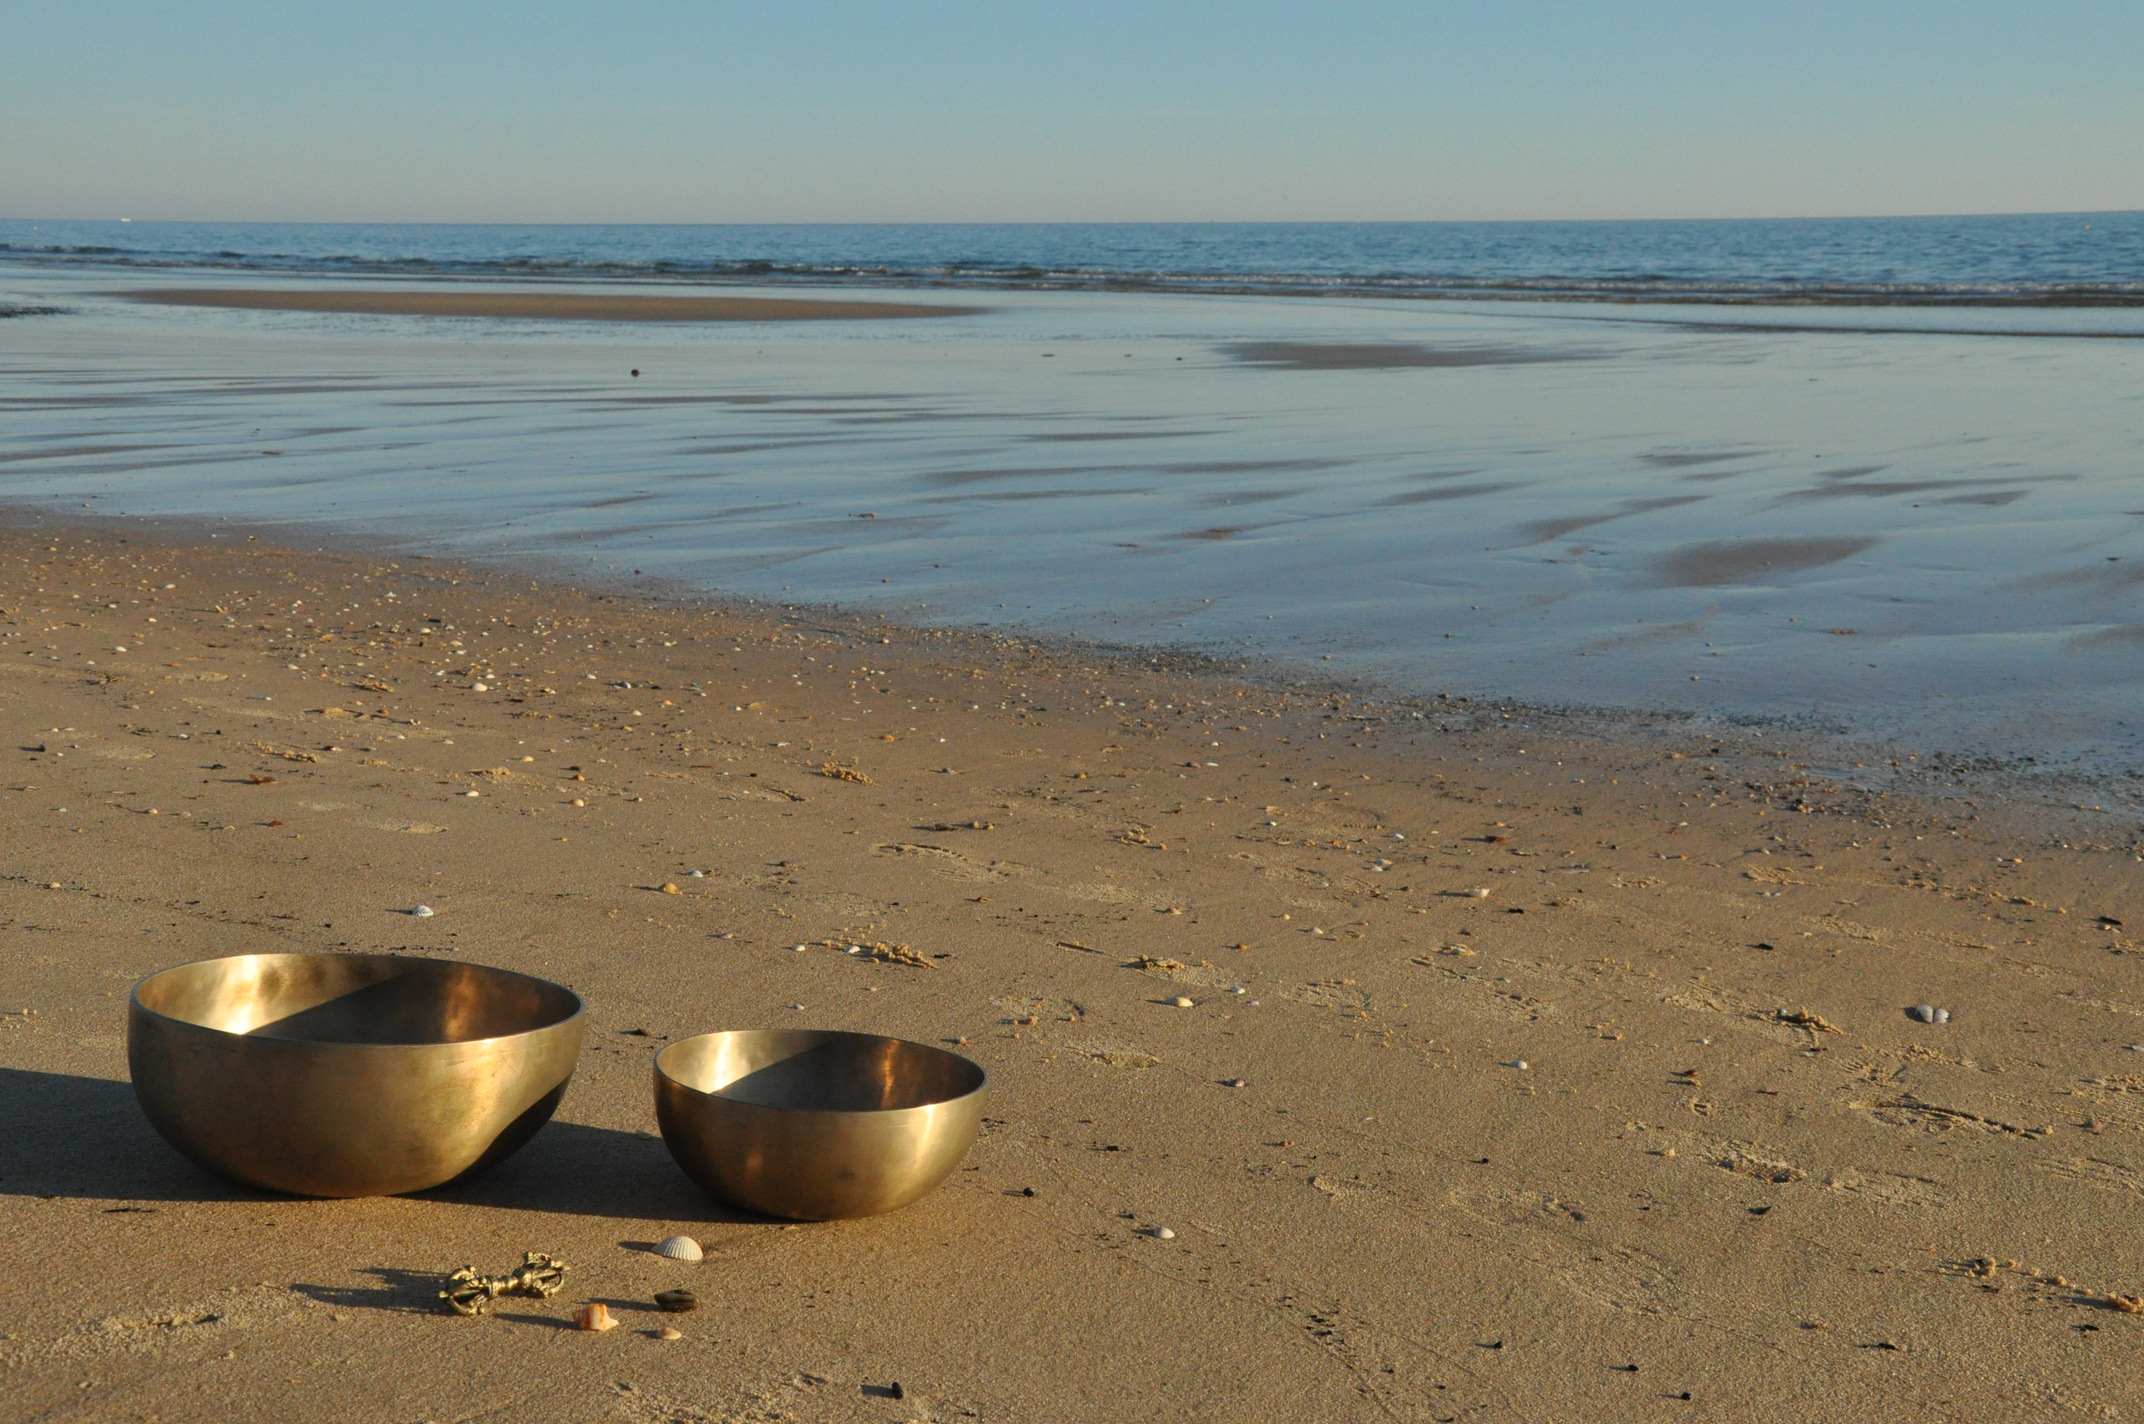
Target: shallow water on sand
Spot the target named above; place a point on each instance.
(1919, 534)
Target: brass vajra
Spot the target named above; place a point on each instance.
(537, 1275)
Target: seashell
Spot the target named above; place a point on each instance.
(670, 888)
(1163, 1233)
(678, 1248)
(1929, 1014)
(1479, 892)
(594, 1316)
(422, 912)
(479, 687)
(677, 1302)
(670, 1332)
(697, 874)
(1181, 1002)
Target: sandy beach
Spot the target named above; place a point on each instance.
(1645, 1132)
(537, 305)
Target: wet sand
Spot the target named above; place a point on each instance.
(1536, 505)
(539, 306)
(1734, 1179)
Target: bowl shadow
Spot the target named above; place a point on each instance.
(577, 1170)
(63, 1136)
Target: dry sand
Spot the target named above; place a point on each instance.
(1735, 1180)
(545, 306)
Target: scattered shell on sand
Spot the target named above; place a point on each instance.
(671, 1332)
(670, 888)
(678, 1248)
(480, 687)
(594, 1316)
(1479, 892)
(1929, 1014)
(1163, 1233)
(677, 1302)
(696, 874)
(422, 912)
(1238, 1083)
(1181, 1002)
(1521, 1064)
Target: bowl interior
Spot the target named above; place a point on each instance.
(815, 1071)
(355, 998)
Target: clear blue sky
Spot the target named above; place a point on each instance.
(660, 112)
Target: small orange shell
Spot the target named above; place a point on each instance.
(594, 1316)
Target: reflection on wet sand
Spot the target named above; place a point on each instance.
(1541, 531)
(1726, 561)
(1441, 493)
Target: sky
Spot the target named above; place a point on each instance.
(716, 112)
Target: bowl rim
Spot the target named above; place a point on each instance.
(982, 1073)
(580, 1005)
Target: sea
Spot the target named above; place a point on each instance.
(1880, 479)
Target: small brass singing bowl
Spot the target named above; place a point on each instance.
(813, 1125)
(349, 1075)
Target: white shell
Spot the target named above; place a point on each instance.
(422, 912)
(1181, 1002)
(1929, 1014)
(1479, 892)
(1163, 1233)
(678, 1248)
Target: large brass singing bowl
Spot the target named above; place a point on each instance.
(814, 1125)
(349, 1075)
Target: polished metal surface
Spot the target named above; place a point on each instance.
(812, 1124)
(349, 1075)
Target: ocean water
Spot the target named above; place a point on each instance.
(2053, 260)
(1917, 520)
